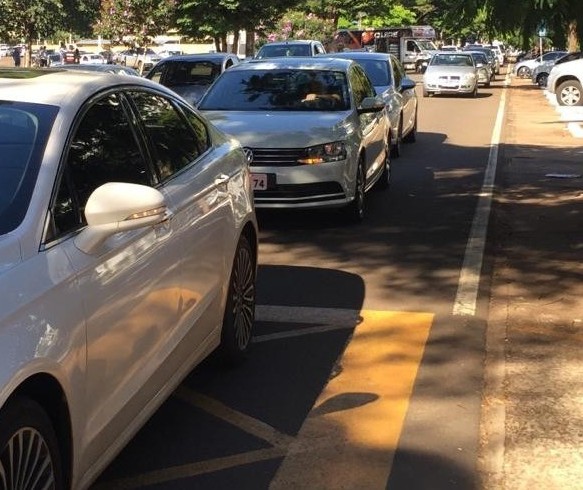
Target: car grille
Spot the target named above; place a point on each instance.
(277, 157)
(298, 193)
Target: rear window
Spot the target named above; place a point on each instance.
(24, 129)
(278, 90)
(268, 51)
(174, 73)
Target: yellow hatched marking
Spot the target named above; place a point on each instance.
(350, 436)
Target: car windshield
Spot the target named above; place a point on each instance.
(269, 51)
(452, 59)
(24, 130)
(278, 90)
(200, 72)
(480, 58)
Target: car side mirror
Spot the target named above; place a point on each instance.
(119, 206)
(407, 84)
(371, 104)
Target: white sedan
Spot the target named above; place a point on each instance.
(452, 73)
(128, 249)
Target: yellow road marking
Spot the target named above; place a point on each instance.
(349, 438)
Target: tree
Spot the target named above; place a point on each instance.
(29, 21)
(135, 22)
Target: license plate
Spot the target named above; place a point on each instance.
(259, 182)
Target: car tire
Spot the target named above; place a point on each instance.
(396, 147)
(384, 181)
(523, 72)
(26, 429)
(411, 136)
(425, 93)
(541, 80)
(355, 210)
(240, 305)
(570, 93)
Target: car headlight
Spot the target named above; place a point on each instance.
(469, 77)
(328, 152)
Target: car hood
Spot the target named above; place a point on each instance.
(284, 129)
(9, 253)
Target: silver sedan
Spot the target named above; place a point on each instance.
(451, 73)
(315, 131)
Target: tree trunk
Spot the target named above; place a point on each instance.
(235, 47)
(249, 43)
(217, 44)
(224, 43)
(572, 43)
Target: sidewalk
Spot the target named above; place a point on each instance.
(532, 428)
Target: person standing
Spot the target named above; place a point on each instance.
(16, 55)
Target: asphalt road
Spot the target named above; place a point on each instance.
(362, 375)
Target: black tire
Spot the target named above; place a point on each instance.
(570, 93)
(541, 79)
(384, 181)
(240, 306)
(396, 147)
(355, 210)
(24, 427)
(411, 136)
(425, 93)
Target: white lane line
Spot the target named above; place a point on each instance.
(469, 281)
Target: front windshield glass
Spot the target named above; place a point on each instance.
(23, 132)
(452, 59)
(426, 45)
(278, 90)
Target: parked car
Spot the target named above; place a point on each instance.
(523, 69)
(451, 73)
(485, 70)
(315, 132)
(190, 75)
(127, 254)
(494, 60)
(91, 59)
(164, 53)
(566, 81)
(390, 81)
(297, 47)
(540, 74)
(140, 59)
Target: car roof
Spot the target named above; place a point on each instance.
(200, 56)
(358, 55)
(295, 62)
(290, 41)
(54, 86)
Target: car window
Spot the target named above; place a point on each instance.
(24, 130)
(361, 86)
(175, 143)
(103, 149)
(376, 70)
(295, 89)
(398, 72)
(268, 51)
